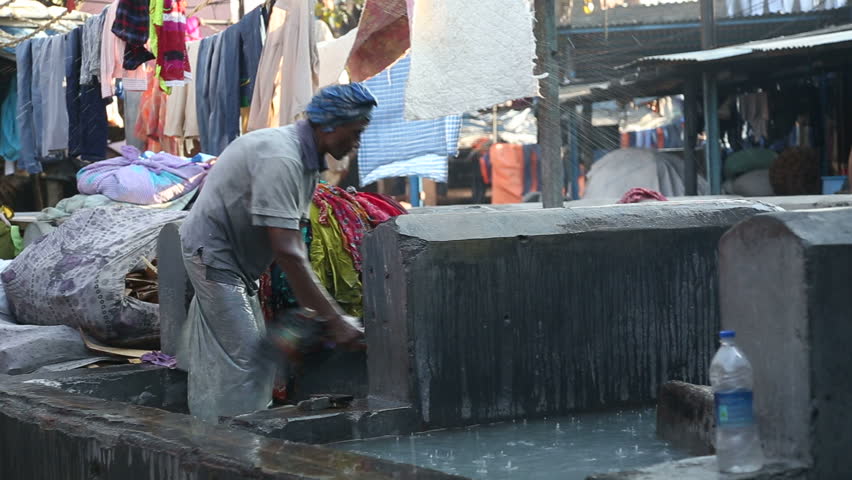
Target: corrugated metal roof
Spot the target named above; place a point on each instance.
(830, 36)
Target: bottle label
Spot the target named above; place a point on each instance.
(734, 409)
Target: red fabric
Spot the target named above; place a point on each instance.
(636, 195)
(383, 38)
(171, 49)
(507, 173)
(385, 204)
(350, 215)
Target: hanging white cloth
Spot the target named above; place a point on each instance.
(460, 66)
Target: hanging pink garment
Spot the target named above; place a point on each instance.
(383, 38)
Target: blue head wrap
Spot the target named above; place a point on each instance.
(340, 104)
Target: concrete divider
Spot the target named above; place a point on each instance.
(497, 315)
(785, 289)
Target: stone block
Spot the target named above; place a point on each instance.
(480, 317)
(785, 289)
(685, 417)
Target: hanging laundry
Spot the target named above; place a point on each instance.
(87, 118)
(132, 25)
(332, 56)
(132, 178)
(288, 72)
(392, 146)
(512, 171)
(181, 120)
(91, 63)
(461, 66)
(49, 79)
(193, 29)
(755, 110)
(172, 60)
(25, 109)
(383, 37)
(226, 77)
(10, 142)
(112, 61)
(251, 28)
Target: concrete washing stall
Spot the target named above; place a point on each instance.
(470, 318)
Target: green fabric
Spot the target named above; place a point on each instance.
(17, 240)
(746, 161)
(333, 264)
(7, 247)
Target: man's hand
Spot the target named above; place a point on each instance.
(291, 256)
(344, 329)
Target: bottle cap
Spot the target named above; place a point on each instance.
(727, 334)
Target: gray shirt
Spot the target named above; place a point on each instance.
(259, 181)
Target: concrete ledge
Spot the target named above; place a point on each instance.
(48, 434)
(485, 317)
(331, 425)
(705, 468)
(685, 417)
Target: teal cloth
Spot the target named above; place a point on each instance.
(10, 140)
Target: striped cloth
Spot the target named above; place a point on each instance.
(394, 147)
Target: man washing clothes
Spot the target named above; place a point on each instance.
(248, 216)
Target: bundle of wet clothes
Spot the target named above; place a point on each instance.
(339, 219)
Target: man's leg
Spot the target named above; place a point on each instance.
(223, 329)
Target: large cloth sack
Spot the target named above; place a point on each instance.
(76, 275)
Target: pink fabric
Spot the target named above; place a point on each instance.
(636, 195)
(193, 29)
(383, 38)
(112, 57)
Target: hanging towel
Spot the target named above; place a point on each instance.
(172, 58)
(288, 72)
(459, 65)
(392, 146)
(383, 37)
(333, 54)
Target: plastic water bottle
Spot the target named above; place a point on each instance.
(738, 447)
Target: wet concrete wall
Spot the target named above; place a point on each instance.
(785, 282)
(481, 317)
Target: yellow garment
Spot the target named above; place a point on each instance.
(333, 264)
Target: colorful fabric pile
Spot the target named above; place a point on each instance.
(339, 219)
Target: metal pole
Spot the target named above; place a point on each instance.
(690, 114)
(575, 154)
(494, 124)
(711, 101)
(713, 156)
(548, 116)
(414, 189)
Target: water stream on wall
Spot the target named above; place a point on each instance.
(566, 448)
